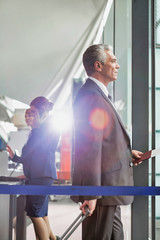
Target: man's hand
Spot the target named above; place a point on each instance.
(91, 204)
(136, 154)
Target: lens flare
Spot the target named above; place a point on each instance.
(99, 119)
(63, 120)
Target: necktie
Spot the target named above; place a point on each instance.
(110, 98)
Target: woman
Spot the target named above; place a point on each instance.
(38, 159)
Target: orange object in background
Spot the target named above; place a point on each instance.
(65, 164)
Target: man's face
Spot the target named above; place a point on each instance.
(110, 68)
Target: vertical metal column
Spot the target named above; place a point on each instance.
(153, 213)
(12, 214)
(140, 118)
(21, 218)
(114, 40)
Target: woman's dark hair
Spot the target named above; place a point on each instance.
(42, 104)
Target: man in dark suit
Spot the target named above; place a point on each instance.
(103, 154)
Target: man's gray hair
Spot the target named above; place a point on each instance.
(95, 53)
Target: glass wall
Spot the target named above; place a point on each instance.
(129, 30)
(154, 123)
(117, 33)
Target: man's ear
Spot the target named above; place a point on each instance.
(98, 66)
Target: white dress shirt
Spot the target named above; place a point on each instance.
(103, 88)
(101, 85)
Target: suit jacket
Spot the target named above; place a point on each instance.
(38, 154)
(102, 145)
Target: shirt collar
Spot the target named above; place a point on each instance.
(101, 85)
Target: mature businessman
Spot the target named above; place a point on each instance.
(103, 154)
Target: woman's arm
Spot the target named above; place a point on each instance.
(12, 155)
(10, 151)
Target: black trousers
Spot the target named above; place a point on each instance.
(104, 224)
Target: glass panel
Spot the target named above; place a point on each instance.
(158, 214)
(123, 89)
(157, 18)
(114, 34)
(108, 37)
(123, 84)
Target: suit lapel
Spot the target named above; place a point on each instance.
(106, 98)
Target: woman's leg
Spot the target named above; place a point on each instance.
(51, 236)
(40, 228)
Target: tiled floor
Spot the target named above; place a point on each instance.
(62, 213)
